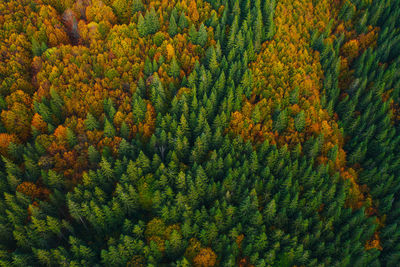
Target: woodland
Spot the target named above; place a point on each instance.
(200, 133)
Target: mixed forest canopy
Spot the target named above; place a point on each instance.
(200, 133)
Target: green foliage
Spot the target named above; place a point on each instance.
(300, 121)
(38, 48)
(109, 129)
(137, 5)
(172, 27)
(132, 161)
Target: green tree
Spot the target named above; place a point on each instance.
(183, 22)
(125, 132)
(281, 121)
(300, 121)
(152, 22)
(148, 67)
(174, 69)
(202, 35)
(109, 129)
(93, 154)
(193, 34)
(91, 122)
(142, 26)
(213, 62)
(172, 27)
(137, 6)
(71, 138)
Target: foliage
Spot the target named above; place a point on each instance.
(199, 133)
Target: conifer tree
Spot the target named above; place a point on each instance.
(174, 68)
(172, 27)
(137, 5)
(202, 35)
(151, 21)
(91, 122)
(182, 23)
(300, 121)
(142, 26)
(109, 129)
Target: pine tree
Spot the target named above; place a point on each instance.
(182, 23)
(137, 6)
(172, 27)
(213, 62)
(174, 68)
(152, 22)
(202, 35)
(300, 121)
(93, 154)
(71, 138)
(281, 121)
(142, 26)
(193, 34)
(148, 67)
(91, 123)
(125, 132)
(109, 130)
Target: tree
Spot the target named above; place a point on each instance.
(91, 122)
(152, 22)
(172, 27)
(93, 154)
(122, 10)
(148, 67)
(174, 68)
(142, 26)
(213, 62)
(175, 244)
(205, 258)
(125, 131)
(256, 115)
(17, 120)
(38, 48)
(281, 121)
(137, 6)
(202, 35)
(71, 138)
(300, 121)
(109, 130)
(182, 23)
(193, 34)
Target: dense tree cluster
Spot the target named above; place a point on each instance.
(199, 133)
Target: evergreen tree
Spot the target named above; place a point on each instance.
(91, 123)
(109, 129)
(172, 27)
(93, 154)
(300, 121)
(142, 26)
(71, 138)
(151, 21)
(193, 34)
(183, 22)
(202, 35)
(281, 121)
(137, 6)
(174, 68)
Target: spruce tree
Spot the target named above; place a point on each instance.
(300, 121)
(142, 26)
(172, 27)
(202, 35)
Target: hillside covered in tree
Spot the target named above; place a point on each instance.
(200, 133)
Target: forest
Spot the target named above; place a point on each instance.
(200, 133)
